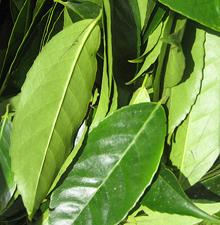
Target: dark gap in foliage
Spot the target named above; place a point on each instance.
(187, 43)
(199, 191)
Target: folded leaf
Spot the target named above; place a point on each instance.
(119, 161)
(167, 196)
(62, 77)
(196, 144)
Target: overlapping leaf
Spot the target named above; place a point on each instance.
(183, 96)
(103, 175)
(62, 77)
(167, 196)
(196, 145)
(151, 217)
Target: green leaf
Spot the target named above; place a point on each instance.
(6, 177)
(157, 15)
(213, 184)
(140, 95)
(103, 175)
(142, 6)
(204, 12)
(179, 107)
(156, 218)
(151, 43)
(167, 196)
(105, 92)
(196, 145)
(82, 131)
(65, 66)
(81, 9)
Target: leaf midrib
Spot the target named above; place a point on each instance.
(123, 155)
(83, 42)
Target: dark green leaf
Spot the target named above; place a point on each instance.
(204, 12)
(6, 176)
(167, 196)
(103, 176)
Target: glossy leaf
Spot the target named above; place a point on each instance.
(204, 12)
(167, 196)
(57, 76)
(6, 177)
(103, 176)
(151, 217)
(178, 109)
(196, 144)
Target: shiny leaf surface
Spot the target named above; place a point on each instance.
(103, 175)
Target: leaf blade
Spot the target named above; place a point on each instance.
(58, 84)
(110, 156)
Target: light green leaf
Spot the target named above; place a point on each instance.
(204, 12)
(6, 177)
(142, 5)
(167, 196)
(65, 66)
(151, 43)
(157, 12)
(139, 96)
(114, 105)
(104, 99)
(103, 175)
(78, 144)
(196, 145)
(149, 60)
(183, 96)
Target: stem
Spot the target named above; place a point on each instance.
(158, 76)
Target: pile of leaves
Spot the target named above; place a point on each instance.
(110, 112)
